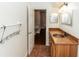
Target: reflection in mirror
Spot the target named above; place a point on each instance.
(66, 18)
(54, 18)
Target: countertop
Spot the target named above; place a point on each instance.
(64, 40)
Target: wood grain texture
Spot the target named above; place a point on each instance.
(40, 51)
(63, 47)
(73, 50)
(63, 50)
(73, 38)
(65, 40)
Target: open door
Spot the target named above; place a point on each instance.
(40, 26)
(30, 29)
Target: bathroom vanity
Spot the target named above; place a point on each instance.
(62, 45)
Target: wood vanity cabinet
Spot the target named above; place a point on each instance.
(61, 50)
(62, 47)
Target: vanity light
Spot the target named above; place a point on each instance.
(64, 7)
(65, 3)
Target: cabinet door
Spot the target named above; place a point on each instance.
(31, 43)
(30, 28)
(53, 48)
(62, 50)
(73, 50)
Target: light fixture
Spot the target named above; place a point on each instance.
(64, 7)
(65, 3)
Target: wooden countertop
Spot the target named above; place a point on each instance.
(64, 40)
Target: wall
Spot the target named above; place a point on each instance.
(11, 13)
(54, 25)
(74, 29)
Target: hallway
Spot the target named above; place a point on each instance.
(40, 51)
(40, 38)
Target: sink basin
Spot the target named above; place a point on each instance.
(58, 35)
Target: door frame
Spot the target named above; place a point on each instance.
(27, 32)
(34, 24)
(45, 21)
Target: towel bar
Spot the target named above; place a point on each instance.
(12, 34)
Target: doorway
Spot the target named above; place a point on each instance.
(40, 27)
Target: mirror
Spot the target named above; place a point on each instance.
(66, 18)
(54, 18)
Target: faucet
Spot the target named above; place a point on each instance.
(65, 34)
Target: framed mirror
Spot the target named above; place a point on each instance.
(66, 18)
(54, 18)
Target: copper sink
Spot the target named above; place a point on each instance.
(58, 35)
